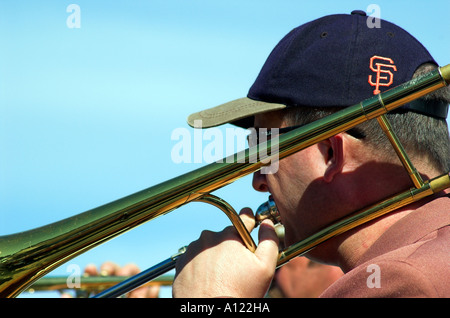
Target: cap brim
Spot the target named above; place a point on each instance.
(239, 112)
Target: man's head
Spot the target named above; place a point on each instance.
(334, 61)
(337, 61)
(315, 70)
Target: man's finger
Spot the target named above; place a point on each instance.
(108, 268)
(128, 270)
(247, 217)
(267, 250)
(91, 270)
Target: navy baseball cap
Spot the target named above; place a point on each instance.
(334, 61)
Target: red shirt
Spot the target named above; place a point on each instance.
(411, 259)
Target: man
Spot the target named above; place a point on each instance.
(315, 70)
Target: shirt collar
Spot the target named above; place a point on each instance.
(413, 227)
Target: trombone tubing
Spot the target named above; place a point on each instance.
(29, 255)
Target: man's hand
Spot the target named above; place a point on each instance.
(112, 269)
(219, 265)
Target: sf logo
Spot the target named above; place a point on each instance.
(382, 67)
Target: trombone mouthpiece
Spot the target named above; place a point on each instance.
(267, 210)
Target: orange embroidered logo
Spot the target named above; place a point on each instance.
(384, 75)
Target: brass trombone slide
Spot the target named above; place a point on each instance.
(29, 255)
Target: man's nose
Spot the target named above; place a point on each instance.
(259, 182)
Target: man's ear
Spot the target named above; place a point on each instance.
(332, 150)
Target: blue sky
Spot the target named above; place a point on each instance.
(86, 114)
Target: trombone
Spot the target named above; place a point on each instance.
(27, 256)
